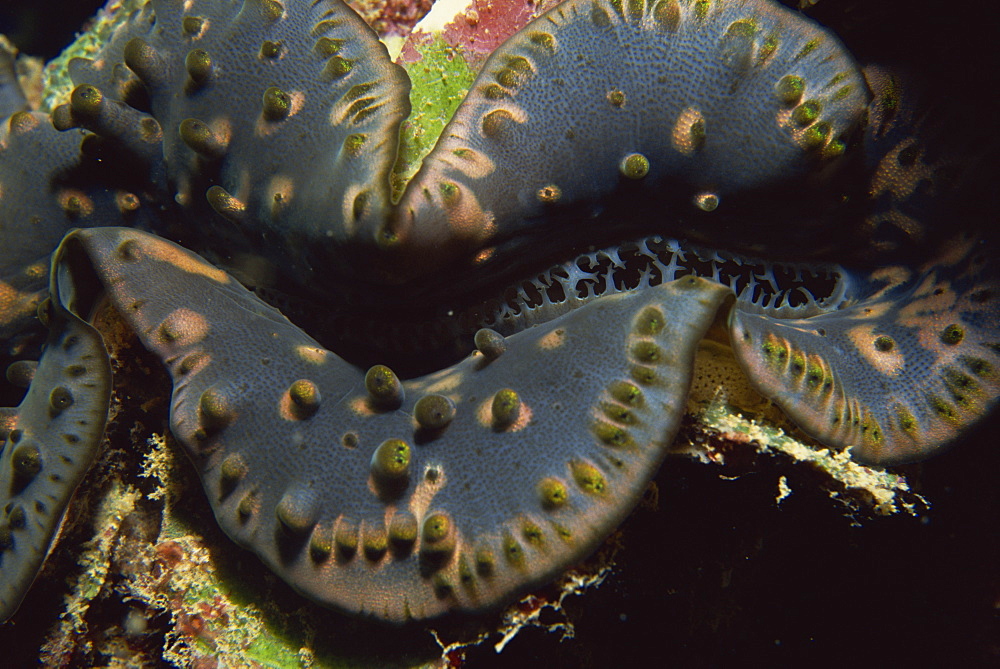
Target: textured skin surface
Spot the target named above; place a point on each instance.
(519, 498)
(687, 88)
(921, 352)
(274, 161)
(343, 101)
(50, 441)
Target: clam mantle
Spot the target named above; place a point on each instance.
(597, 202)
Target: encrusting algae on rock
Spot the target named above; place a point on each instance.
(505, 428)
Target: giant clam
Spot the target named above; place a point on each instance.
(695, 119)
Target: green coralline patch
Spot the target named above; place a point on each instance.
(89, 42)
(440, 79)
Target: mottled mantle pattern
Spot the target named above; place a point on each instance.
(938, 322)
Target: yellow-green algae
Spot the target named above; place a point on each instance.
(439, 82)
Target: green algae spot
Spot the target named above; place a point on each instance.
(305, 398)
(626, 393)
(321, 543)
(437, 537)
(486, 562)
(667, 15)
(612, 435)
(798, 364)
(86, 100)
(277, 104)
(599, 17)
(532, 533)
(26, 461)
(545, 41)
(296, 511)
(650, 321)
(465, 574)
(272, 10)
(216, 409)
(198, 65)
(906, 420)
(843, 93)
(977, 366)
(233, 470)
(450, 193)
(345, 538)
(808, 48)
(807, 112)
(943, 409)
(271, 50)
(433, 412)
(383, 387)
(375, 542)
(961, 385)
(354, 143)
(767, 49)
(494, 92)
(701, 9)
(884, 343)
(644, 375)
(497, 123)
(391, 461)
(337, 68)
(402, 531)
(616, 98)
(443, 587)
(736, 45)
(60, 399)
(506, 408)
(814, 375)
(634, 166)
(327, 47)
(514, 73)
(775, 354)
(513, 552)
(953, 334)
(553, 493)
(437, 527)
(646, 351)
(490, 343)
(789, 89)
(817, 135)
(192, 25)
(589, 478)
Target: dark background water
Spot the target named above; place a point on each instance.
(720, 575)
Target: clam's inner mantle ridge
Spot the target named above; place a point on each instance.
(621, 176)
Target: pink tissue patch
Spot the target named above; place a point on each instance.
(477, 30)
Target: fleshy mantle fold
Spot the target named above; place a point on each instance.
(406, 499)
